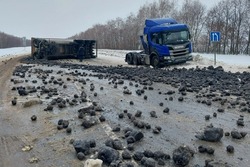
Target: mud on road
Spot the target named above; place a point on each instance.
(169, 107)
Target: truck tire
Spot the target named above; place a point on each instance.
(129, 58)
(36, 43)
(135, 59)
(35, 56)
(155, 61)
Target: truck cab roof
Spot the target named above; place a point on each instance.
(173, 27)
(165, 24)
(155, 22)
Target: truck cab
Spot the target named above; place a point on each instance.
(165, 42)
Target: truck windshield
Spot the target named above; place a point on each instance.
(175, 37)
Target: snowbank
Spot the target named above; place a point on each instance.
(232, 63)
(242, 60)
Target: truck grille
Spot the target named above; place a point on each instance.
(178, 50)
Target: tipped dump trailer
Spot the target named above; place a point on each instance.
(53, 48)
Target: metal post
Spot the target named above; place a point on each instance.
(214, 53)
(96, 47)
(215, 39)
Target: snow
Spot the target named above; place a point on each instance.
(241, 60)
(8, 52)
(115, 53)
(236, 60)
(233, 63)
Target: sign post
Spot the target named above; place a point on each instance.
(215, 38)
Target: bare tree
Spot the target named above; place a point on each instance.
(193, 13)
(246, 28)
(230, 17)
(167, 8)
(124, 33)
(7, 41)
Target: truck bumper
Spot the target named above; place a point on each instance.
(176, 60)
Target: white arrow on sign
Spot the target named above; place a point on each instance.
(215, 35)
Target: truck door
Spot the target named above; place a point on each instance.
(156, 45)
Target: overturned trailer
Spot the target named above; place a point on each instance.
(53, 48)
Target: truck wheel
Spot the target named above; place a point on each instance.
(129, 58)
(155, 61)
(135, 59)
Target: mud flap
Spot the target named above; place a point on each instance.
(147, 59)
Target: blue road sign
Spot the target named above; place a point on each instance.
(215, 36)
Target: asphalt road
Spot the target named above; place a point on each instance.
(51, 147)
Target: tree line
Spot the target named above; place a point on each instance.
(8, 41)
(230, 17)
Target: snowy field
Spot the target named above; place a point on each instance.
(232, 63)
(242, 60)
(15, 51)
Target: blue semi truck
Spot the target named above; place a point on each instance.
(165, 42)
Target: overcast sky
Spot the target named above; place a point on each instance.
(63, 18)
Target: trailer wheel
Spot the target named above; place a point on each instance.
(155, 61)
(35, 56)
(36, 43)
(129, 58)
